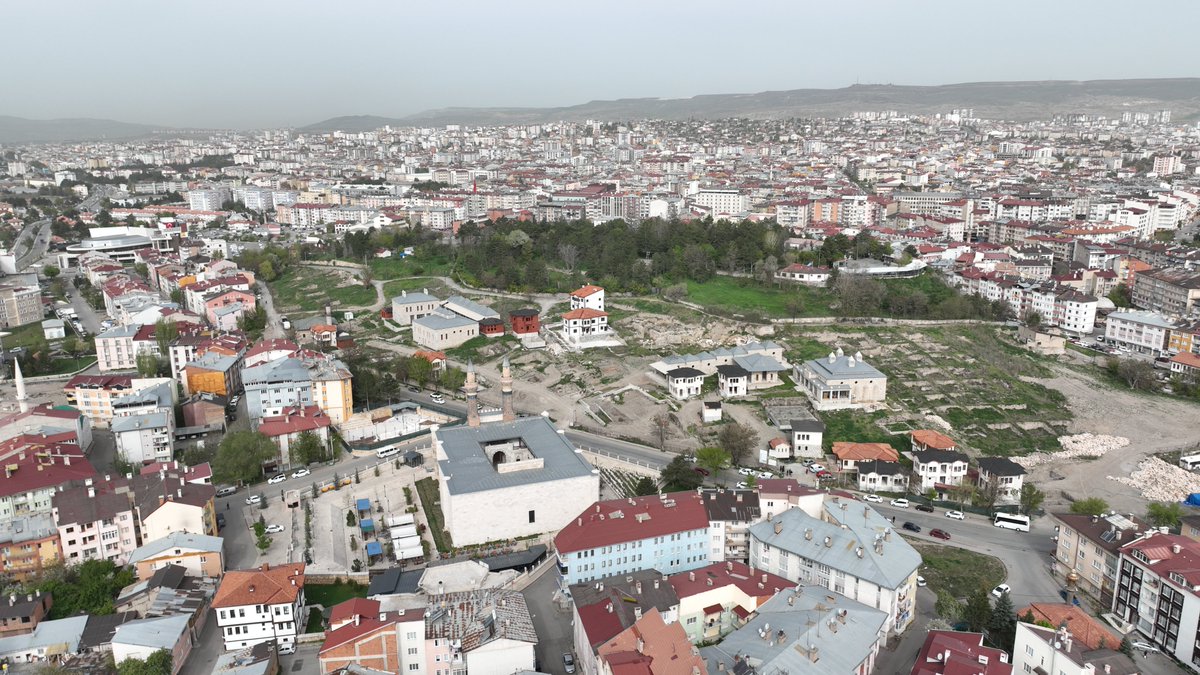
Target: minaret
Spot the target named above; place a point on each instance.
(472, 389)
(506, 393)
(22, 402)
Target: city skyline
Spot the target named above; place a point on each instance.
(272, 65)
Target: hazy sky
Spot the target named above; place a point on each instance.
(255, 63)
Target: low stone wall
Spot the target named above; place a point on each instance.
(317, 579)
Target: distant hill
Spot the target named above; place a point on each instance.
(1020, 101)
(354, 123)
(22, 130)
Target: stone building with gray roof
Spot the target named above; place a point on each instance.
(850, 550)
(840, 381)
(802, 630)
(508, 479)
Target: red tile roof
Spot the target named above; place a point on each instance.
(752, 582)
(1086, 630)
(583, 313)
(635, 519)
(954, 653)
(600, 622)
(294, 420)
(858, 452)
(44, 466)
(933, 440)
(1166, 560)
(361, 607)
(264, 586)
(585, 291)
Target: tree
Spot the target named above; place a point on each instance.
(1033, 319)
(948, 607)
(51, 271)
(241, 456)
(713, 459)
(1002, 625)
(978, 612)
(1092, 506)
(165, 333)
(307, 449)
(1031, 498)
(142, 269)
(678, 475)
(1134, 373)
(1127, 645)
(158, 663)
(737, 440)
(645, 487)
(420, 370)
(149, 365)
(1164, 514)
(351, 521)
(86, 588)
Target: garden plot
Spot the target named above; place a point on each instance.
(309, 290)
(964, 376)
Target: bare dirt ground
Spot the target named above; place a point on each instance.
(1153, 424)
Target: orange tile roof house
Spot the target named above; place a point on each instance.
(1087, 631)
(849, 455)
(260, 604)
(651, 647)
(926, 439)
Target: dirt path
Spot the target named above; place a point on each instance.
(1153, 424)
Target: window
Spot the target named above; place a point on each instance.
(412, 651)
(414, 666)
(531, 517)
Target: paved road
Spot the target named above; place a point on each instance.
(1026, 555)
(87, 316)
(553, 625)
(274, 326)
(33, 242)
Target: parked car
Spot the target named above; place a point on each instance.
(900, 503)
(765, 474)
(745, 470)
(957, 515)
(300, 473)
(437, 398)
(911, 526)
(569, 663)
(873, 498)
(1144, 646)
(700, 470)
(254, 499)
(226, 491)
(220, 521)
(1001, 590)
(286, 649)
(921, 581)
(413, 389)
(274, 528)
(824, 475)
(277, 478)
(939, 534)
(816, 468)
(925, 507)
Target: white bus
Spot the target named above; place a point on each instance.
(1012, 521)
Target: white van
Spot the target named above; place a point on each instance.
(387, 452)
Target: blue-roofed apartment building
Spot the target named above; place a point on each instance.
(850, 549)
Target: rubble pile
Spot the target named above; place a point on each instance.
(1159, 481)
(1074, 447)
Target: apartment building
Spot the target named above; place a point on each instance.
(115, 349)
(1088, 550)
(849, 549)
(1145, 332)
(1170, 290)
(939, 469)
(1156, 592)
(384, 641)
(97, 521)
(20, 305)
(667, 532)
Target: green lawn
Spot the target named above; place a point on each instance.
(308, 290)
(328, 595)
(435, 287)
(70, 365)
(25, 336)
(748, 297)
(957, 570)
(427, 490)
(857, 427)
(396, 268)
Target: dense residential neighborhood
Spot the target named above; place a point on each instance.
(879, 393)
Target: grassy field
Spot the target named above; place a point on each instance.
(397, 268)
(316, 623)
(70, 365)
(25, 336)
(427, 489)
(859, 427)
(435, 287)
(956, 570)
(750, 298)
(309, 290)
(328, 595)
(972, 377)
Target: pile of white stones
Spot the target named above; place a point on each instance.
(1079, 445)
(1159, 481)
